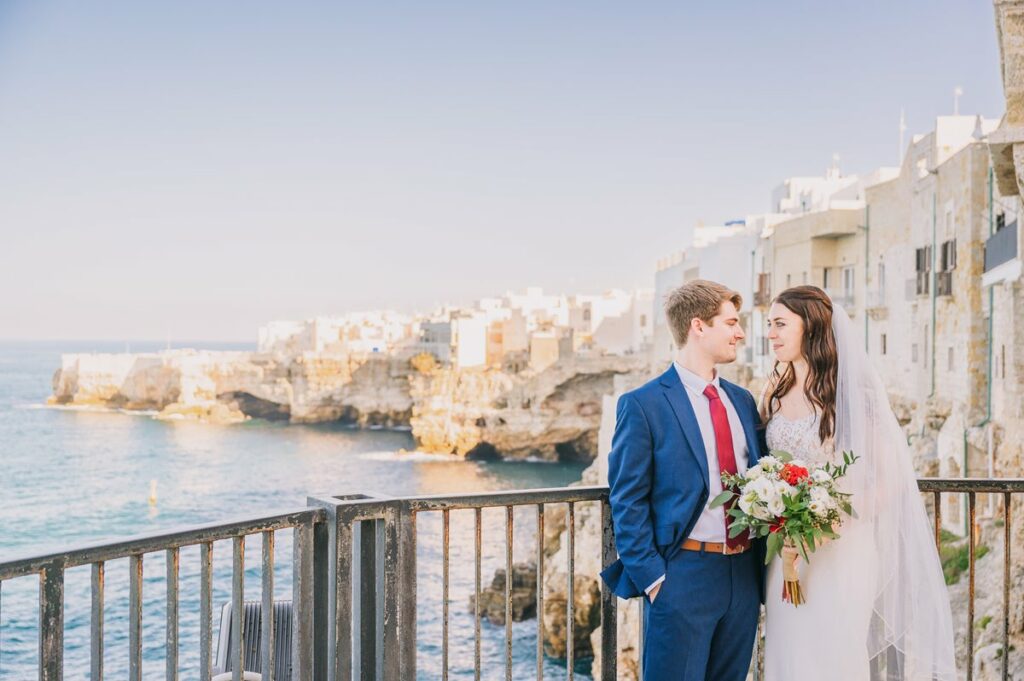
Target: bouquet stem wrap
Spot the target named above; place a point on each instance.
(792, 592)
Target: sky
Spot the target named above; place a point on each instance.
(191, 170)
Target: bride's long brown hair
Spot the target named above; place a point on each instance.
(818, 347)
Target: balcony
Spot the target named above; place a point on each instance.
(875, 303)
(844, 297)
(354, 585)
(1002, 259)
(874, 299)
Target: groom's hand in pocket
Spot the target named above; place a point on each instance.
(654, 592)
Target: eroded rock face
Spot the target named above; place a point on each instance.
(552, 416)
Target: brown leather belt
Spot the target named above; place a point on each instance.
(712, 547)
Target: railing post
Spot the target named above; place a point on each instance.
(349, 590)
(367, 598)
(406, 594)
(51, 622)
(322, 613)
(304, 605)
(609, 623)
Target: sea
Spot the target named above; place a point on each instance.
(71, 477)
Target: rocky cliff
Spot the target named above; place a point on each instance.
(552, 415)
(480, 413)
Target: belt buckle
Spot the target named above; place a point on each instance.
(732, 552)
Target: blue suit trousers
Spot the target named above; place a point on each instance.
(703, 622)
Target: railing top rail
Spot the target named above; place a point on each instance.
(551, 495)
(189, 536)
(159, 541)
(984, 485)
(364, 506)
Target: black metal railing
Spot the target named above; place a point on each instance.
(354, 577)
(1001, 247)
(354, 583)
(51, 568)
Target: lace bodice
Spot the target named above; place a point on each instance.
(799, 437)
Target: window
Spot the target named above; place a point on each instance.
(824, 279)
(923, 267)
(1000, 221)
(586, 314)
(643, 320)
(883, 344)
(913, 353)
(848, 281)
(1002, 361)
(788, 281)
(803, 278)
(949, 359)
(947, 256)
(881, 275)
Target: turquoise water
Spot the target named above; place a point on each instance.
(73, 477)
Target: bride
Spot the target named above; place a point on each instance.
(876, 601)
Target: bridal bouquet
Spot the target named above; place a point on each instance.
(791, 503)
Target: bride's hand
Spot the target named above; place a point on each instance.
(790, 562)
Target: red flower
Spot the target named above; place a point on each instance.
(777, 526)
(793, 474)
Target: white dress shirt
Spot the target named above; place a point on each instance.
(710, 525)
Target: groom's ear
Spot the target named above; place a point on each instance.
(697, 324)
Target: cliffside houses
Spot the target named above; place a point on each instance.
(515, 332)
(532, 330)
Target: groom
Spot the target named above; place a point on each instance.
(673, 438)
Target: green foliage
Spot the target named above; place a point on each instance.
(956, 559)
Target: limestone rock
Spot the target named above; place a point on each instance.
(524, 595)
(487, 413)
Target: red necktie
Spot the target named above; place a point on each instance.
(726, 456)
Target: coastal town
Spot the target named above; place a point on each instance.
(924, 255)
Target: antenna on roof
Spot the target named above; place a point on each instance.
(903, 129)
(833, 170)
(957, 93)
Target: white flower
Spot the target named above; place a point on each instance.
(820, 496)
(755, 495)
(775, 506)
(761, 489)
(783, 488)
(769, 463)
(755, 472)
(821, 476)
(817, 508)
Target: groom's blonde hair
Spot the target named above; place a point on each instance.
(697, 299)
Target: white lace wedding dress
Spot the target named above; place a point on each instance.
(819, 640)
(877, 604)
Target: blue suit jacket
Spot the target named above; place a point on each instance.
(658, 475)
